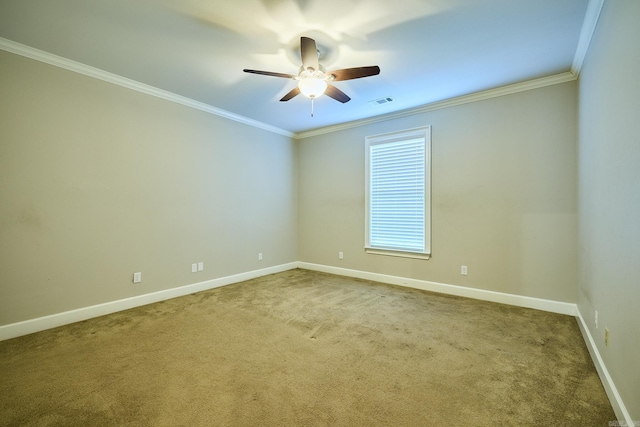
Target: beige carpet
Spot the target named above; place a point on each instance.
(302, 348)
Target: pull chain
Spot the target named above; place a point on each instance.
(312, 106)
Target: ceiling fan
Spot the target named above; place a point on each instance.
(313, 80)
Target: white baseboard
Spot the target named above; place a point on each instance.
(59, 319)
(52, 321)
(480, 294)
(517, 300)
(612, 392)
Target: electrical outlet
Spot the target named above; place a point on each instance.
(596, 319)
(137, 277)
(341, 255)
(260, 256)
(200, 266)
(463, 270)
(606, 337)
(194, 268)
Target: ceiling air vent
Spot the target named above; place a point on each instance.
(381, 101)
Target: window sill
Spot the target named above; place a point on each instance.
(387, 252)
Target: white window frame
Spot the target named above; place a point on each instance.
(416, 133)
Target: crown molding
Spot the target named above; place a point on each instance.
(465, 99)
(586, 34)
(77, 67)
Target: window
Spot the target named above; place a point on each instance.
(398, 193)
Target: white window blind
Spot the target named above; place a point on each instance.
(398, 205)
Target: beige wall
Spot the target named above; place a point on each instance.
(503, 196)
(98, 181)
(609, 194)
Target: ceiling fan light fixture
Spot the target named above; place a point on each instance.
(312, 87)
(313, 80)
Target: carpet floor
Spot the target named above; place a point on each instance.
(303, 348)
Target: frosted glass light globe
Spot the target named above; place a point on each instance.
(312, 87)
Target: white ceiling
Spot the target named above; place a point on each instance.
(428, 50)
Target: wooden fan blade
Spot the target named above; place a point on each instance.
(309, 53)
(355, 73)
(269, 73)
(337, 94)
(294, 92)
